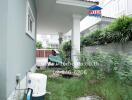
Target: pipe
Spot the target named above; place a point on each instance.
(29, 94)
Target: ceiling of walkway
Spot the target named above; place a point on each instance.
(54, 17)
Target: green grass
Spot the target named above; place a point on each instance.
(69, 89)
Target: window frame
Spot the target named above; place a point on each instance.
(30, 19)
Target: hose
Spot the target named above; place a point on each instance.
(29, 94)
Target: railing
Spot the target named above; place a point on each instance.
(43, 53)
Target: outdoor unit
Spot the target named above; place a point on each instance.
(37, 82)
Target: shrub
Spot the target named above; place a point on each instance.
(103, 63)
(93, 39)
(39, 45)
(125, 72)
(66, 51)
(97, 61)
(119, 30)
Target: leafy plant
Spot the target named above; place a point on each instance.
(120, 30)
(97, 61)
(103, 63)
(66, 51)
(125, 73)
(93, 39)
(39, 45)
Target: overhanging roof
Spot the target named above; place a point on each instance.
(56, 16)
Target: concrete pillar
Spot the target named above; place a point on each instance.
(76, 41)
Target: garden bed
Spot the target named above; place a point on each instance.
(109, 88)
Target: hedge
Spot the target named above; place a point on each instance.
(120, 30)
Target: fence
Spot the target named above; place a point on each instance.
(43, 53)
(125, 48)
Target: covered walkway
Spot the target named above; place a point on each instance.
(60, 16)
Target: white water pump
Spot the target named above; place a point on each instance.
(37, 82)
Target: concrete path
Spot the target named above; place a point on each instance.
(42, 62)
(85, 98)
(90, 98)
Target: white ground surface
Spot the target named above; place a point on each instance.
(85, 98)
(42, 62)
(90, 98)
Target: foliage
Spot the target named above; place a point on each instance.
(39, 45)
(98, 61)
(120, 30)
(125, 73)
(104, 64)
(70, 89)
(65, 51)
(93, 39)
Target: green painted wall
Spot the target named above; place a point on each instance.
(17, 49)
(3, 26)
(20, 47)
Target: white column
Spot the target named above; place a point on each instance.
(76, 41)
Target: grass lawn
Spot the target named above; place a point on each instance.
(70, 89)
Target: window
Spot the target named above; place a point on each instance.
(30, 21)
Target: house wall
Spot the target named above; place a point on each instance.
(117, 8)
(20, 46)
(3, 17)
(111, 48)
(129, 5)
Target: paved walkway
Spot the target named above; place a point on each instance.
(85, 98)
(90, 98)
(42, 62)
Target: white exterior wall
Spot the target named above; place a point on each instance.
(20, 47)
(129, 9)
(3, 33)
(117, 8)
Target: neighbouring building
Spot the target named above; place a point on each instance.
(117, 7)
